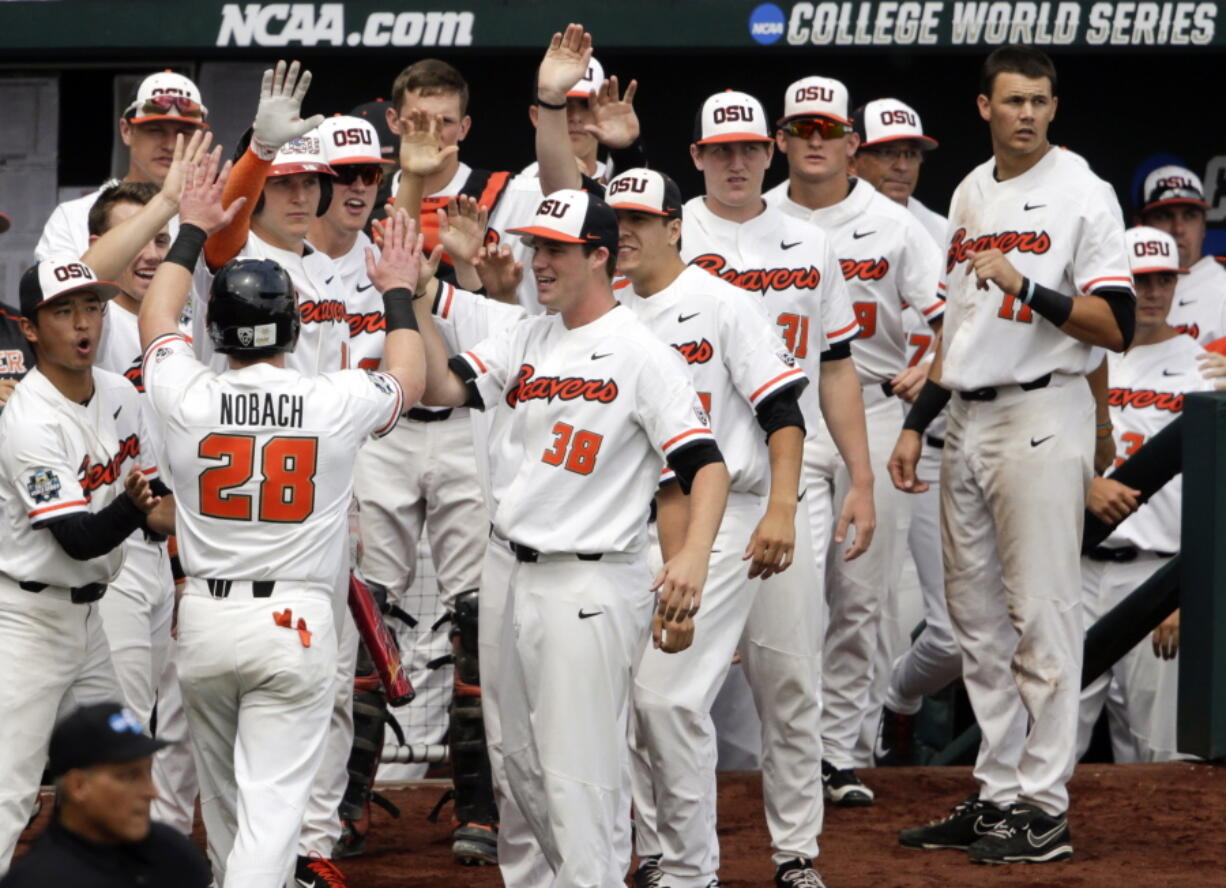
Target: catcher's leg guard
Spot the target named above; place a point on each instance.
(475, 841)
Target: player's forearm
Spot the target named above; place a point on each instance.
(246, 180)
(672, 519)
(114, 251)
(442, 387)
(162, 306)
(162, 518)
(466, 276)
(1099, 385)
(553, 152)
(708, 496)
(410, 193)
(404, 357)
(1093, 322)
(786, 449)
(843, 410)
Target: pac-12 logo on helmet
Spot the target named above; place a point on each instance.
(253, 309)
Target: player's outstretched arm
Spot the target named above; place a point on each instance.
(842, 404)
(112, 252)
(200, 214)
(1104, 441)
(500, 273)
(395, 276)
(421, 153)
(461, 231)
(774, 539)
(277, 121)
(681, 581)
(563, 66)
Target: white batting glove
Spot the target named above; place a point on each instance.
(277, 119)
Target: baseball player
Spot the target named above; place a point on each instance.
(263, 522)
(892, 148)
(166, 106)
(1037, 276)
(888, 261)
(16, 356)
(1174, 201)
(736, 235)
(78, 475)
(597, 407)
(1148, 382)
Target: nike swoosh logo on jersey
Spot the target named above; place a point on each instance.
(1186, 301)
(328, 281)
(856, 235)
(681, 319)
(584, 615)
(1034, 443)
(1170, 372)
(784, 246)
(118, 410)
(596, 357)
(360, 288)
(1028, 206)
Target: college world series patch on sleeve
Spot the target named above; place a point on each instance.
(43, 485)
(382, 383)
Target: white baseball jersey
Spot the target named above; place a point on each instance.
(1059, 225)
(265, 455)
(888, 261)
(594, 413)
(119, 347)
(1199, 307)
(934, 223)
(735, 358)
(67, 230)
(1148, 383)
(323, 343)
(792, 266)
(363, 306)
(61, 458)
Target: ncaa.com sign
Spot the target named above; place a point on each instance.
(323, 24)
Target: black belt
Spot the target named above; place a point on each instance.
(259, 588)
(529, 555)
(1123, 554)
(888, 388)
(934, 441)
(417, 414)
(988, 393)
(79, 594)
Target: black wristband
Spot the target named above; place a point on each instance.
(187, 246)
(550, 105)
(398, 309)
(1054, 306)
(930, 401)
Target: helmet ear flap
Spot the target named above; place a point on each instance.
(325, 194)
(243, 142)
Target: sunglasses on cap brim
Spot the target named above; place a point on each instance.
(162, 105)
(805, 127)
(347, 174)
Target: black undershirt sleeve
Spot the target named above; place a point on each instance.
(87, 535)
(782, 409)
(464, 370)
(837, 351)
(1123, 307)
(686, 461)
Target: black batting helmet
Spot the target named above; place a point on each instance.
(253, 309)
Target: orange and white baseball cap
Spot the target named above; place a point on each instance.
(304, 154)
(644, 190)
(167, 96)
(349, 140)
(889, 120)
(591, 81)
(1172, 184)
(573, 217)
(816, 97)
(731, 116)
(56, 277)
(1152, 251)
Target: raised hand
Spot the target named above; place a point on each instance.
(200, 204)
(500, 274)
(461, 228)
(192, 152)
(617, 125)
(278, 120)
(400, 262)
(421, 144)
(566, 61)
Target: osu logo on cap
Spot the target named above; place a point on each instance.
(1176, 182)
(733, 113)
(65, 273)
(352, 136)
(1151, 248)
(813, 93)
(551, 207)
(898, 117)
(627, 183)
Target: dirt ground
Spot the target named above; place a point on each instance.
(1157, 826)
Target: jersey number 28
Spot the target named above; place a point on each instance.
(287, 465)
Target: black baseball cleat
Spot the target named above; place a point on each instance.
(842, 787)
(648, 874)
(969, 821)
(318, 872)
(895, 740)
(1027, 835)
(798, 873)
(474, 844)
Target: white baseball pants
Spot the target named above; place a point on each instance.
(258, 701)
(573, 634)
(174, 769)
(1141, 690)
(1013, 488)
(857, 592)
(57, 661)
(673, 773)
